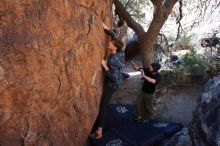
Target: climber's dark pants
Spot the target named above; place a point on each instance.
(106, 96)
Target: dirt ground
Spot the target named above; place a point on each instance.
(172, 103)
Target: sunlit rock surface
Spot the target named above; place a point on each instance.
(50, 74)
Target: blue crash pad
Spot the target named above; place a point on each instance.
(118, 115)
(110, 139)
(145, 134)
(122, 130)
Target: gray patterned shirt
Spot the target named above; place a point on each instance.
(115, 63)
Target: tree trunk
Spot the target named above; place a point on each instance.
(146, 51)
(147, 40)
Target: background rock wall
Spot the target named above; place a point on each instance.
(50, 73)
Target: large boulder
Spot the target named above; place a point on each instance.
(205, 127)
(50, 73)
(206, 124)
(181, 138)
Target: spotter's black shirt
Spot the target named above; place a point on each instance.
(148, 87)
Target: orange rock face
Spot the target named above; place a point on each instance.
(50, 73)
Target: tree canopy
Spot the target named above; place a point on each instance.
(194, 12)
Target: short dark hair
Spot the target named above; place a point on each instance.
(156, 66)
(119, 44)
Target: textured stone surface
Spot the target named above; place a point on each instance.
(50, 74)
(206, 125)
(181, 138)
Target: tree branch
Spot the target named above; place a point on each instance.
(120, 10)
(167, 45)
(181, 12)
(178, 31)
(179, 19)
(161, 13)
(127, 4)
(165, 38)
